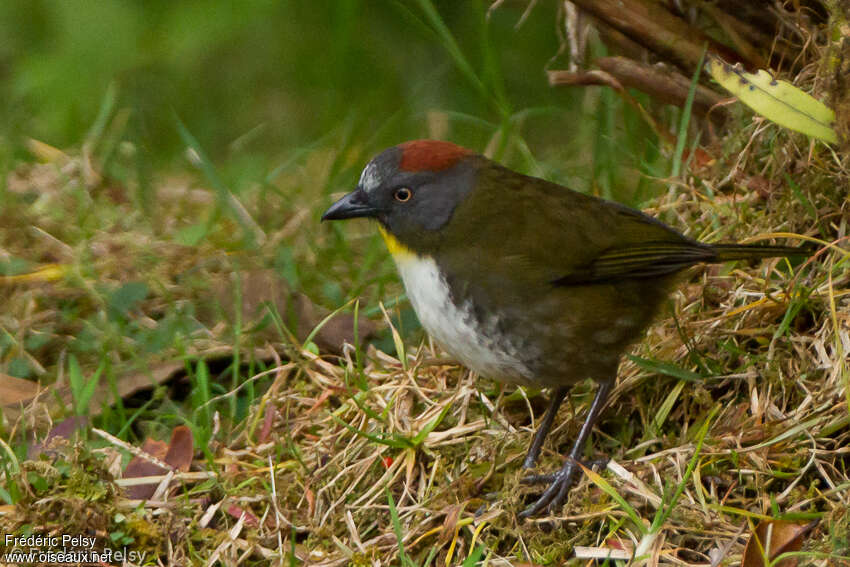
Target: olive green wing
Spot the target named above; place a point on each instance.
(537, 233)
(616, 243)
(644, 260)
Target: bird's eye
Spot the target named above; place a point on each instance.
(403, 195)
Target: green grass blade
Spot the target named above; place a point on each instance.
(396, 522)
(665, 511)
(451, 46)
(395, 443)
(104, 113)
(603, 484)
(420, 437)
(666, 368)
(252, 232)
(82, 390)
(324, 322)
(686, 117)
(667, 405)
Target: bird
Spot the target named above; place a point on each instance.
(524, 280)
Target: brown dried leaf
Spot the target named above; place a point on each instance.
(181, 449)
(311, 500)
(126, 385)
(236, 511)
(14, 391)
(773, 538)
(178, 453)
(139, 467)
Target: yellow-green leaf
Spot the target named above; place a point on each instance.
(776, 100)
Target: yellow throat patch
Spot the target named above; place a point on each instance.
(398, 250)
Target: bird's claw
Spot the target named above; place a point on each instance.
(559, 486)
(561, 481)
(530, 460)
(555, 494)
(539, 478)
(549, 478)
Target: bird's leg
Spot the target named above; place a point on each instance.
(555, 494)
(543, 430)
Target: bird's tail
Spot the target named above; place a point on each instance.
(729, 252)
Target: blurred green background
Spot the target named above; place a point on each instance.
(202, 139)
(257, 80)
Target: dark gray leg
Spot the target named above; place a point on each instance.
(557, 491)
(543, 430)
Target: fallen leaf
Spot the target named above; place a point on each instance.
(139, 467)
(181, 449)
(16, 391)
(311, 501)
(700, 158)
(178, 453)
(125, 385)
(772, 538)
(778, 101)
(237, 511)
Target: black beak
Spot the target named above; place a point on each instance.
(351, 206)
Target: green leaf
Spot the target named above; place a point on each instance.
(399, 534)
(82, 390)
(686, 116)
(599, 481)
(126, 297)
(395, 443)
(420, 437)
(666, 368)
(6, 497)
(19, 367)
(12, 266)
(778, 101)
(664, 511)
(669, 402)
(474, 557)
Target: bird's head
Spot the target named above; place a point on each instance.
(412, 189)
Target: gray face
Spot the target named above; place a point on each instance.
(412, 205)
(413, 201)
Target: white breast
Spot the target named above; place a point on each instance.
(454, 327)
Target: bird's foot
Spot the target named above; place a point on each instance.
(551, 477)
(530, 459)
(559, 485)
(555, 494)
(539, 478)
